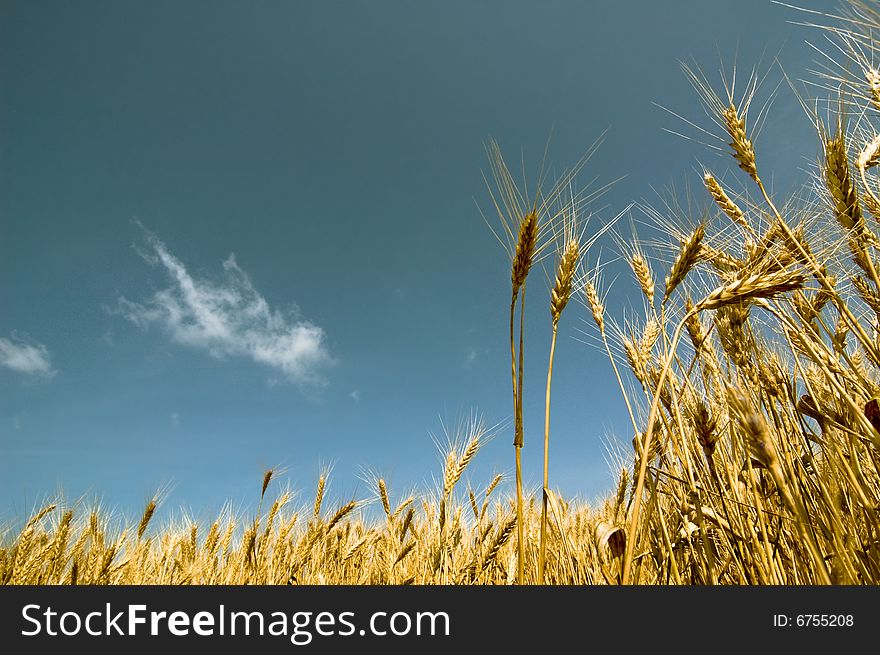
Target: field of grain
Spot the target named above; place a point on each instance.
(751, 381)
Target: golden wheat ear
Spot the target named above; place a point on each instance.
(838, 181)
(724, 202)
(146, 517)
(565, 275)
(524, 255)
(688, 256)
(743, 150)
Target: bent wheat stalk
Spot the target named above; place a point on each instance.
(645, 449)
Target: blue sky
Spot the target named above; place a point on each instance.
(241, 235)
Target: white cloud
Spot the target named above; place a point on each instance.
(23, 357)
(356, 395)
(230, 318)
(470, 357)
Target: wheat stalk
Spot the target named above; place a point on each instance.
(728, 206)
(743, 150)
(340, 514)
(383, 495)
(566, 268)
(596, 307)
(848, 212)
(644, 276)
(688, 256)
(751, 287)
(146, 517)
(319, 495)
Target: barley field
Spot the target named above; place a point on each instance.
(750, 378)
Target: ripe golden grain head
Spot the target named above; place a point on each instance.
(319, 495)
(340, 514)
(755, 430)
(565, 274)
(634, 357)
(644, 276)
(704, 426)
(597, 309)
(728, 206)
(743, 150)
(688, 256)
(267, 478)
(751, 287)
(838, 181)
(524, 255)
(493, 484)
(146, 517)
(649, 338)
(694, 327)
(383, 495)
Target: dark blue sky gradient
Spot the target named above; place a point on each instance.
(336, 149)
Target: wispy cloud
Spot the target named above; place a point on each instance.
(471, 356)
(230, 318)
(25, 356)
(355, 395)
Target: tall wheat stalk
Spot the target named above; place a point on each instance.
(568, 259)
(522, 262)
(524, 227)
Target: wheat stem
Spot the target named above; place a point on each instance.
(542, 553)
